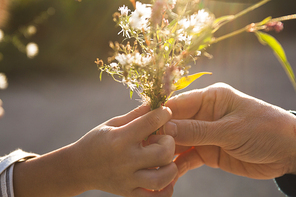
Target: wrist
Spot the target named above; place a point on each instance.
(52, 174)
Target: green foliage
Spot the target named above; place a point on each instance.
(278, 50)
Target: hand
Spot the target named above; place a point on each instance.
(224, 128)
(112, 158)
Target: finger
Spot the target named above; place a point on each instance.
(143, 126)
(165, 192)
(195, 133)
(124, 119)
(188, 161)
(159, 152)
(151, 140)
(156, 179)
(185, 105)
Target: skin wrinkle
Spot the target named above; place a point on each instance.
(197, 136)
(208, 100)
(240, 147)
(203, 161)
(255, 139)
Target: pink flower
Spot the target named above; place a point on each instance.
(157, 10)
(276, 26)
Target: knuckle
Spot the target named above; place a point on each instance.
(153, 121)
(221, 85)
(166, 154)
(219, 88)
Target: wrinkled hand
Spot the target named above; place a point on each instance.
(224, 128)
(112, 157)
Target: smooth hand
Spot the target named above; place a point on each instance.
(224, 128)
(117, 162)
(112, 157)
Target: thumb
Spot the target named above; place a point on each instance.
(194, 132)
(143, 126)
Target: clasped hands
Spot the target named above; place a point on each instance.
(217, 126)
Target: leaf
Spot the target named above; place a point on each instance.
(101, 73)
(206, 42)
(200, 39)
(265, 38)
(131, 94)
(172, 23)
(169, 43)
(186, 81)
(222, 19)
(266, 20)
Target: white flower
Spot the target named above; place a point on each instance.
(124, 29)
(32, 50)
(139, 18)
(124, 10)
(143, 10)
(3, 81)
(142, 60)
(124, 59)
(197, 22)
(1, 35)
(172, 3)
(138, 59)
(146, 60)
(114, 65)
(184, 37)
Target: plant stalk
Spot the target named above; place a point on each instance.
(215, 40)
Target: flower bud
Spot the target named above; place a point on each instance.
(274, 25)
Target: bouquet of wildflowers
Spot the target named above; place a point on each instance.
(163, 37)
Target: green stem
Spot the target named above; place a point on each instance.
(285, 18)
(245, 11)
(228, 35)
(251, 8)
(256, 25)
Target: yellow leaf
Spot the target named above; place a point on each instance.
(186, 81)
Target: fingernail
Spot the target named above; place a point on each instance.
(170, 128)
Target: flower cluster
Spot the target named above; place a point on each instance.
(166, 35)
(164, 42)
